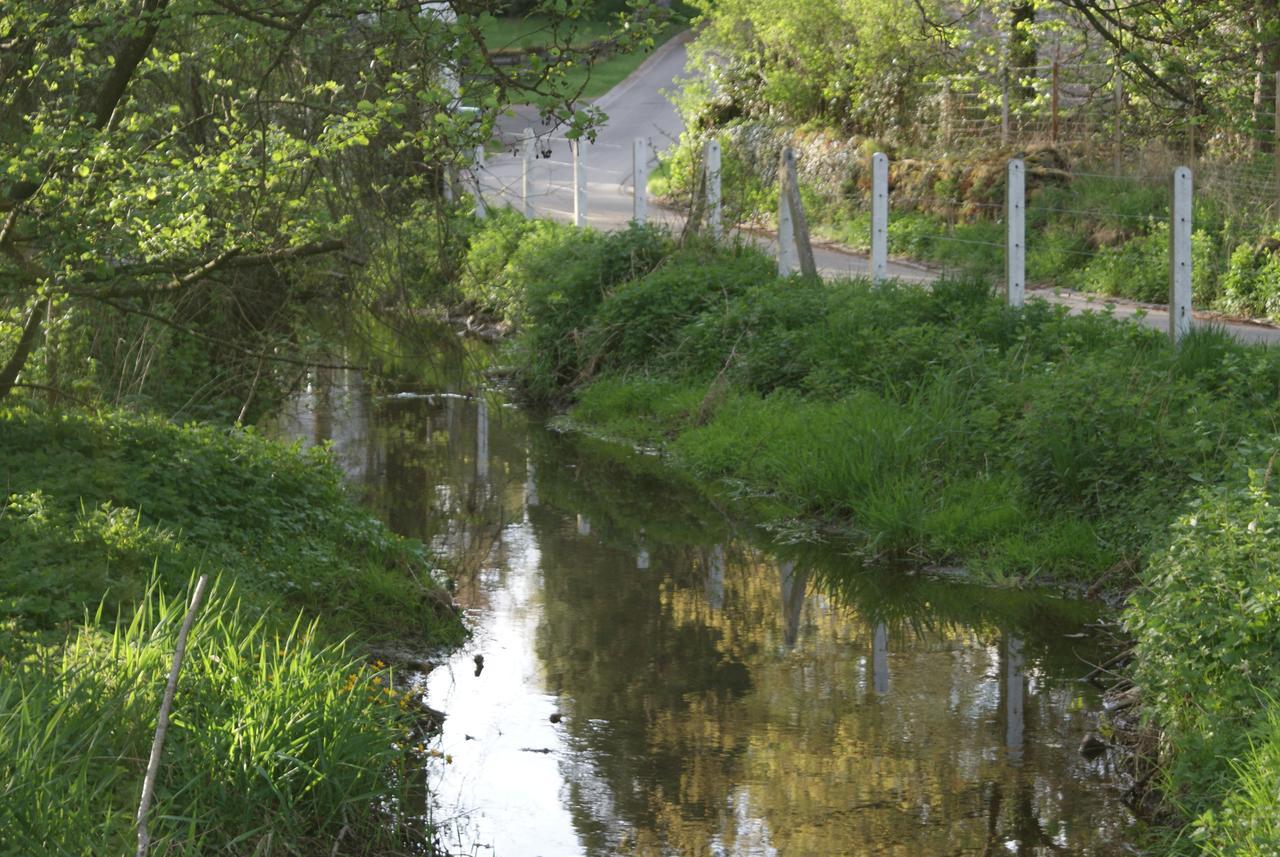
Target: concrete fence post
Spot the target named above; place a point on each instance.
(1180, 256)
(528, 154)
(788, 259)
(477, 167)
(712, 161)
(579, 183)
(794, 249)
(879, 217)
(1016, 247)
(640, 171)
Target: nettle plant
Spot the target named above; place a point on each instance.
(175, 160)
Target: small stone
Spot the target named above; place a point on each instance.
(479, 659)
(556, 717)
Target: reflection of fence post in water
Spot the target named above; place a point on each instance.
(482, 441)
(880, 659)
(1014, 693)
(530, 486)
(715, 577)
(793, 589)
(584, 525)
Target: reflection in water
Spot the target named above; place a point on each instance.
(710, 690)
(880, 658)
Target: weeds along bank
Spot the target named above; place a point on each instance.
(1087, 229)
(284, 739)
(942, 427)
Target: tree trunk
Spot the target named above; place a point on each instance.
(30, 334)
(1023, 50)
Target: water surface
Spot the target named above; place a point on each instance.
(715, 693)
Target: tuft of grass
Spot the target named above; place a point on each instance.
(279, 743)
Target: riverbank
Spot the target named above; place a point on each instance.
(942, 428)
(284, 734)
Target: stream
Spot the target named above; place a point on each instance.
(658, 677)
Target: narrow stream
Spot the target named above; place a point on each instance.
(714, 694)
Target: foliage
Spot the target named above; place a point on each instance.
(95, 503)
(1205, 621)
(279, 744)
(177, 172)
(563, 275)
(896, 413)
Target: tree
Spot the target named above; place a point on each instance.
(177, 160)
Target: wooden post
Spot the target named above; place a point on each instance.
(712, 165)
(1016, 248)
(1053, 102)
(1180, 256)
(879, 217)
(477, 167)
(526, 174)
(1004, 110)
(579, 184)
(162, 721)
(1275, 130)
(794, 248)
(1117, 130)
(946, 113)
(640, 172)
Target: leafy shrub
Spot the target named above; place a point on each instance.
(564, 274)
(1207, 626)
(1251, 284)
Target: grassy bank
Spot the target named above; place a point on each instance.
(941, 427)
(285, 740)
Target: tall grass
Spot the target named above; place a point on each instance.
(279, 743)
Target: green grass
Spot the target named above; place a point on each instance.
(508, 33)
(284, 740)
(279, 744)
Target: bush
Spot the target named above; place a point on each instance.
(564, 274)
(1207, 626)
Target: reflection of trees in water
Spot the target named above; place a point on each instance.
(719, 693)
(716, 704)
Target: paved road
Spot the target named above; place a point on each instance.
(637, 107)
